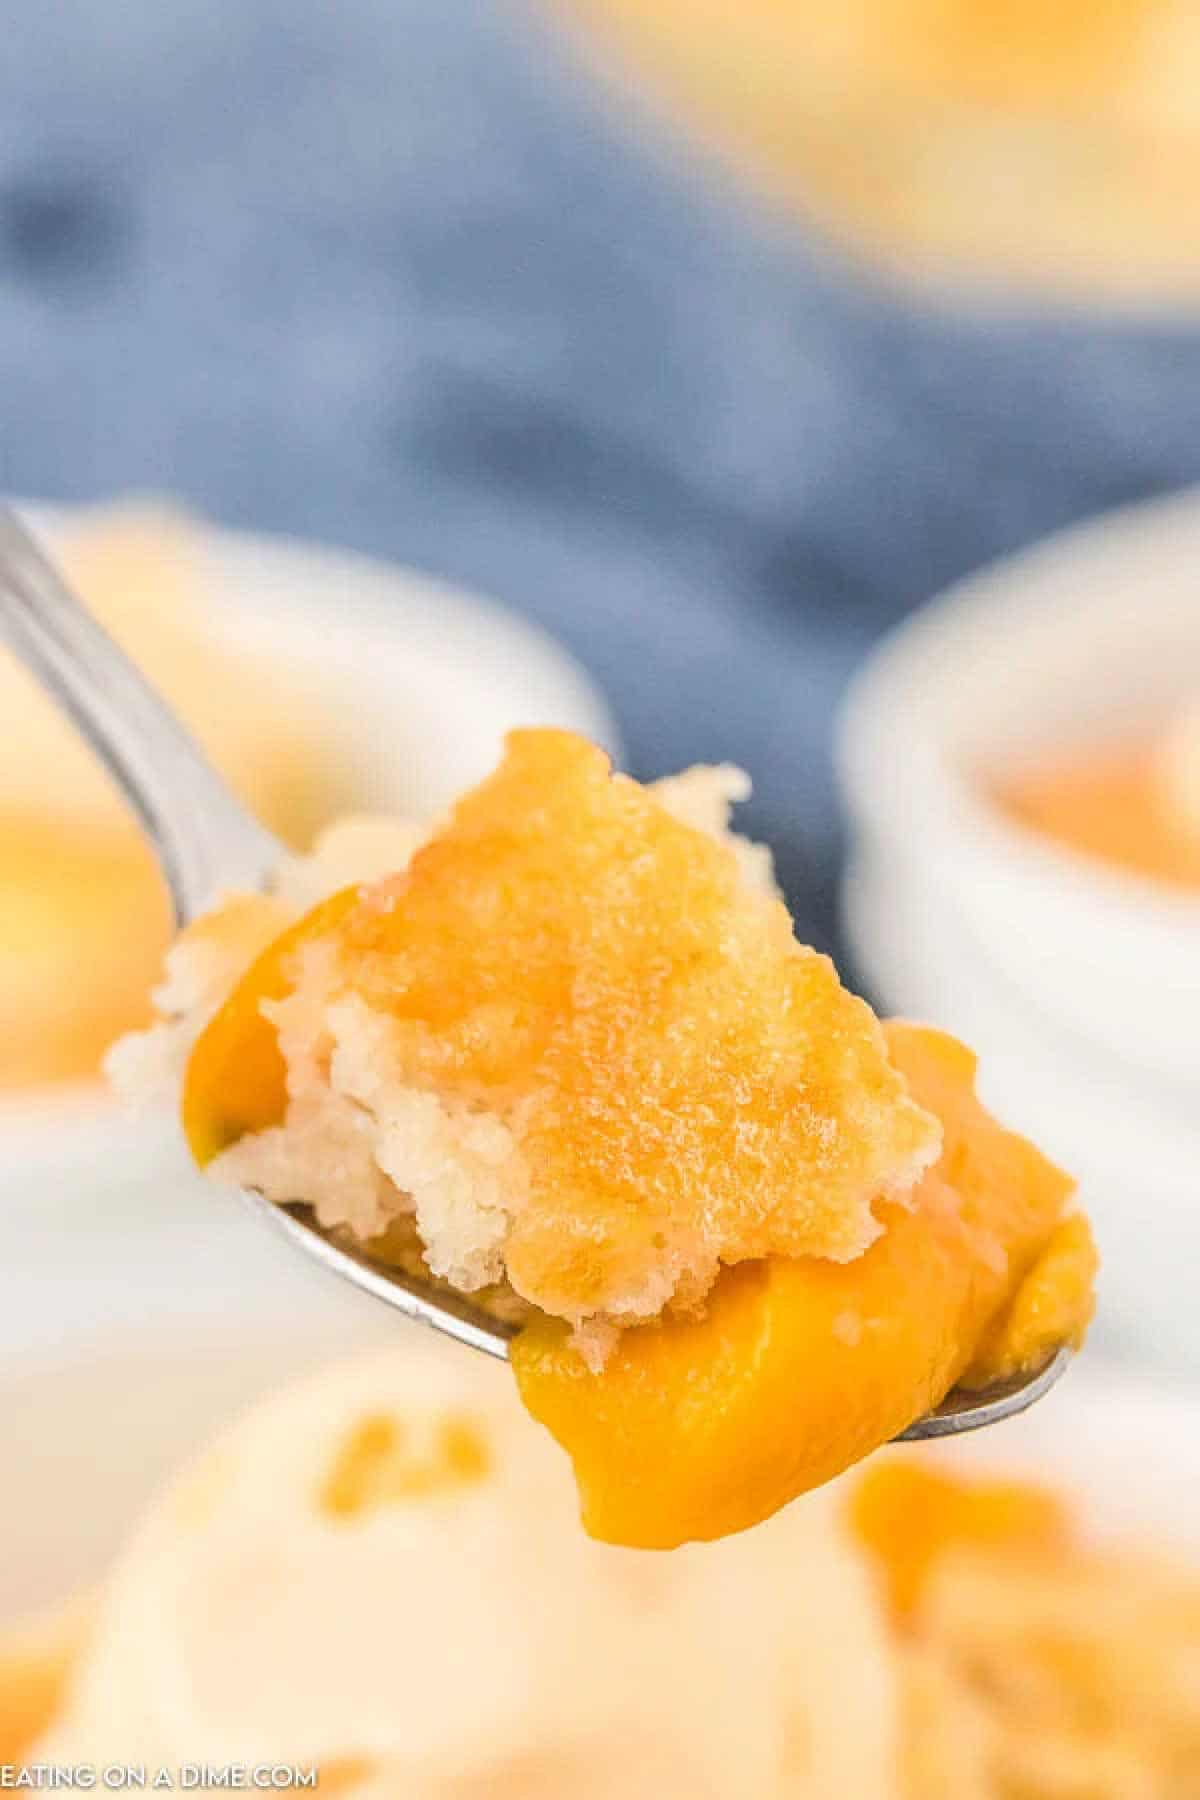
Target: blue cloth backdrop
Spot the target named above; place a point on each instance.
(399, 274)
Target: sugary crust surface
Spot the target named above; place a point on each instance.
(595, 1059)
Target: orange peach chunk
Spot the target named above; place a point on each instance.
(1051, 1307)
(236, 1079)
(696, 1428)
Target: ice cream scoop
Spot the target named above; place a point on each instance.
(380, 1572)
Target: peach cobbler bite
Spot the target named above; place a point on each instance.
(1034, 1661)
(568, 1054)
(580, 1050)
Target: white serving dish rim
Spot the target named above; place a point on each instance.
(882, 722)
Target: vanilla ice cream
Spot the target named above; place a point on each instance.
(382, 1572)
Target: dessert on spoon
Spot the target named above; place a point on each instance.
(555, 1075)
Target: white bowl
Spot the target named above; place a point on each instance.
(418, 680)
(419, 683)
(1079, 984)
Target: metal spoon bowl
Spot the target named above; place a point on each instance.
(206, 843)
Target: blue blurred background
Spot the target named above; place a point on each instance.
(405, 275)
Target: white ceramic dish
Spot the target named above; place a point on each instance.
(103, 1420)
(419, 683)
(1079, 984)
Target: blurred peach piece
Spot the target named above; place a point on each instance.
(36, 1660)
(83, 917)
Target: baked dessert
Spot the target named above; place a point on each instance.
(569, 1054)
(1039, 1659)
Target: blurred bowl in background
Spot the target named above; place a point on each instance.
(1057, 147)
(1078, 982)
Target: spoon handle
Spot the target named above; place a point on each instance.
(202, 836)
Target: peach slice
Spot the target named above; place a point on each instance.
(236, 1079)
(1051, 1307)
(799, 1367)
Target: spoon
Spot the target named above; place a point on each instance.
(207, 844)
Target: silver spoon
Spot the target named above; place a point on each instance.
(207, 844)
